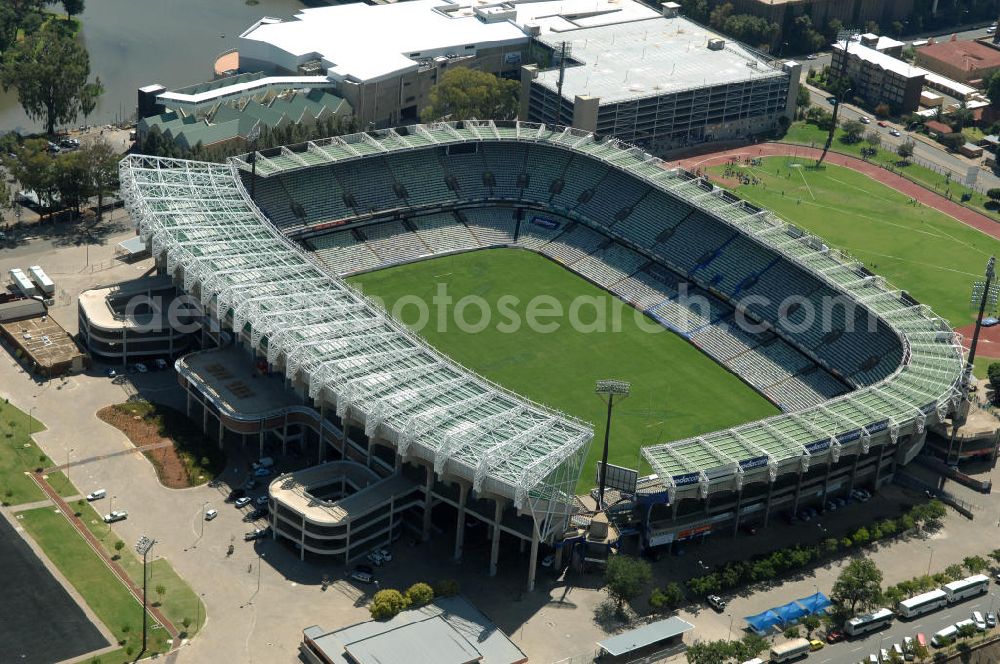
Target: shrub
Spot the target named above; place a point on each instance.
(446, 588)
(387, 604)
(419, 594)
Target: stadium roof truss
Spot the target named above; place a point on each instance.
(202, 217)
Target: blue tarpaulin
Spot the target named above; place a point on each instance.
(815, 603)
(762, 622)
(790, 612)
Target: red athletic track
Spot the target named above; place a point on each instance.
(965, 215)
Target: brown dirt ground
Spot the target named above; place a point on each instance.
(169, 467)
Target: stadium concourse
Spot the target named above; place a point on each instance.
(264, 253)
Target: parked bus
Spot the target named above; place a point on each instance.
(869, 622)
(945, 636)
(967, 587)
(790, 650)
(923, 603)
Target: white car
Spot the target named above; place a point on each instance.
(242, 502)
(894, 132)
(990, 30)
(211, 514)
(864, 119)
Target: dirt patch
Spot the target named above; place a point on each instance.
(180, 454)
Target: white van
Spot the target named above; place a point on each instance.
(977, 618)
(948, 633)
(96, 495)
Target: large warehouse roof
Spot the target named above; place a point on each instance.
(656, 56)
(201, 216)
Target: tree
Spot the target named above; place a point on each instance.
(853, 131)
(34, 168)
(859, 586)
(446, 588)
(666, 599)
(961, 117)
(952, 141)
(811, 623)
(975, 564)
(993, 89)
(49, 70)
(464, 93)
(102, 170)
(994, 196)
(161, 590)
(72, 7)
(119, 545)
(626, 578)
(792, 632)
(920, 652)
(954, 572)
(419, 594)
(802, 99)
(71, 180)
(905, 150)
(882, 110)
(386, 604)
(874, 139)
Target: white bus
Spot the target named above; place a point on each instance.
(869, 622)
(945, 635)
(967, 587)
(790, 650)
(923, 603)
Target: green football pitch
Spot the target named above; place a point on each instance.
(933, 256)
(676, 390)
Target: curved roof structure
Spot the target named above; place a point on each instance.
(342, 346)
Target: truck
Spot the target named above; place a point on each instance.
(42, 280)
(790, 650)
(22, 283)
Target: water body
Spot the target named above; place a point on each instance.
(137, 42)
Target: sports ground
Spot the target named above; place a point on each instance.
(676, 390)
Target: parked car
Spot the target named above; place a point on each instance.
(258, 513)
(96, 495)
(255, 534)
(234, 494)
(816, 644)
(836, 636)
(69, 143)
(110, 372)
(160, 364)
(242, 502)
(894, 132)
(991, 620)
(211, 514)
(980, 621)
(811, 56)
(260, 501)
(140, 367)
(115, 515)
(882, 123)
(262, 472)
(717, 603)
(864, 119)
(363, 573)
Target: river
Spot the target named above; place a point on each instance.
(137, 42)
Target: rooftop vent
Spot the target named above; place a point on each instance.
(716, 44)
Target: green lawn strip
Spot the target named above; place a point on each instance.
(933, 256)
(982, 365)
(677, 391)
(58, 481)
(179, 600)
(19, 455)
(809, 134)
(104, 593)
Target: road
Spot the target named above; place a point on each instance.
(851, 652)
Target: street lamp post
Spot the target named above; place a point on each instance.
(929, 559)
(608, 390)
(143, 547)
(68, 452)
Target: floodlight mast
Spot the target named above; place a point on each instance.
(961, 411)
(608, 390)
(143, 547)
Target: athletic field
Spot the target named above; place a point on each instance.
(933, 256)
(676, 390)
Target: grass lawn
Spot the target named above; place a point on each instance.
(18, 455)
(925, 252)
(676, 390)
(809, 134)
(99, 587)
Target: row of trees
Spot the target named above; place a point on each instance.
(713, 652)
(388, 603)
(47, 66)
(763, 568)
(69, 177)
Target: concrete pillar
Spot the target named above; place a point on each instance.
(557, 563)
(528, 74)
(767, 504)
(495, 544)
(533, 558)
(425, 531)
(585, 110)
(826, 481)
(798, 493)
(736, 512)
(878, 467)
(463, 493)
(854, 471)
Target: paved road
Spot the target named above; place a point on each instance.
(850, 652)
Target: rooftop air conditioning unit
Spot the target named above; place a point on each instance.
(716, 44)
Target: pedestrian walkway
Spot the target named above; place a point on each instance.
(967, 216)
(92, 540)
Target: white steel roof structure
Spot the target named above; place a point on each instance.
(347, 350)
(202, 217)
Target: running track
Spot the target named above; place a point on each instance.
(909, 188)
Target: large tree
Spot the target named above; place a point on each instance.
(71, 180)
(993, 89)
(464, 93)
(34, 169)
(72, 7)
(626, 578)
(859, 586)
(102, 170)
(49, 70)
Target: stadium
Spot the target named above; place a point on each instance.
(401, 432)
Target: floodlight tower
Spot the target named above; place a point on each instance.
(608, 390)
(987, 300)
(143, 547)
